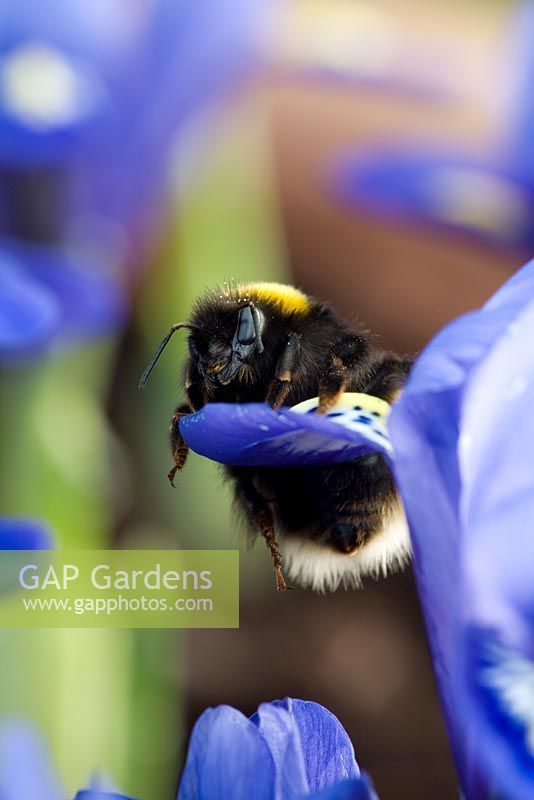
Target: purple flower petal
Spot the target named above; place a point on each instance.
(227, 757)
(252, 434)
(282, 736)
(25, 767)
(18, 533)
(497, 646)
(458, 466)
(358, 789)
(328, 752)
(286, 750)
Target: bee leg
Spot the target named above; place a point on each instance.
(285, 367)
(265, 523)
(178, 446)
(261, 519)
(348, 359)
(390, 377)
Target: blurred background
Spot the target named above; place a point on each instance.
(376, 154)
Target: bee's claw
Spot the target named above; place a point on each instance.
(281, 585)
(170, 476)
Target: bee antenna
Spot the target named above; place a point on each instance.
(162, 345)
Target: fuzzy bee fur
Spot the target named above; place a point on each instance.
(256, 342)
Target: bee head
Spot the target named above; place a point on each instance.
(220, 345)
(221, 348)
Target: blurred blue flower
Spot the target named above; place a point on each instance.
(184, 55)
(110, 65)
(47, 299)
(289, 749)
(92, 99)
(489, 197)
(90, 794)
(29, 314)
(518, 77)
(25, 766)
(26, 769)
(463, 434)
(457, 191)
(52, 90)
(18, 533)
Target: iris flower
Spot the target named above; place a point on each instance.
(288, 750)
(462, 438)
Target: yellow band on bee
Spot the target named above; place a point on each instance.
(287, 298)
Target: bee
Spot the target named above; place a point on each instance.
(269, 342)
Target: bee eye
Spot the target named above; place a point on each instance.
(245, 332)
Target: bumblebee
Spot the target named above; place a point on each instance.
(268, 342)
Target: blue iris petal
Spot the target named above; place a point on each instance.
(463, 437)
(25, 767)
(24, 534)
(283, 738)
(497, 510)
(358, 789)
(227, 758)
(253, 434)
(288, 750)
(328, 752)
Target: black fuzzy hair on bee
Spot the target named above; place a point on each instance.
(268, 342)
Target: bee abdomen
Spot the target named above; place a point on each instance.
(345, 537)
(348, 537)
